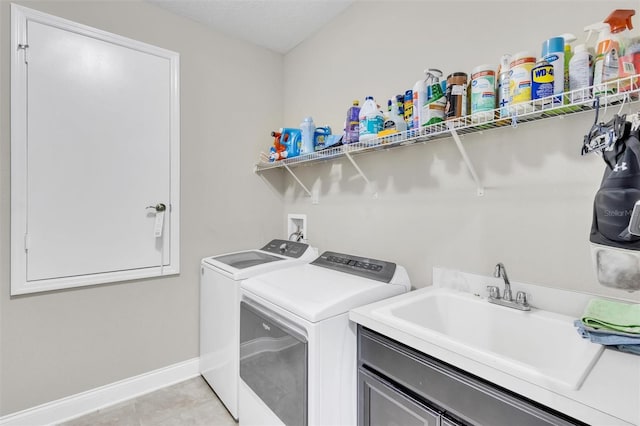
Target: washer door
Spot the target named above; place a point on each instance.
(273, 362)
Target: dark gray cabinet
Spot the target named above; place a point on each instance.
(401, 386)
(384, 405)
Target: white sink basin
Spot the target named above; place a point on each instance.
(538, 346)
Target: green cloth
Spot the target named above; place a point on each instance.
(605, 314)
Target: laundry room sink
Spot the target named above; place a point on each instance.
(538, 346)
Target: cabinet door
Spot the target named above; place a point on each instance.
(447, 421)
(382, 405)
(95, 142)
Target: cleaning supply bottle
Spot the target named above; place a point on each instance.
(408, 108)
(307, 128)
(502, 91)
(580, 74)
(553, 53)
(568, 54)
(433, 109)
(371, 120)
(620, 23)
(393, 122)
(352, 127)
(630, 66)
(419, 99)
(605, 65)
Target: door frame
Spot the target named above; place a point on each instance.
(20, 16)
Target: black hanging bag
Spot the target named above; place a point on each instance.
(619, 191)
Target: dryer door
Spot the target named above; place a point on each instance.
(273, 362)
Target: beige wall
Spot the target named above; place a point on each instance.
(535, 215)
(61, 343)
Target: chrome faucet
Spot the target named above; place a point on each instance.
(501, 271)
(507, 298)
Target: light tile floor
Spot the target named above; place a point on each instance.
(189, 403)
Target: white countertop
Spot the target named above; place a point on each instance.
(610, 395)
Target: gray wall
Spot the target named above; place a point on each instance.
(536, 213)
(61, 343)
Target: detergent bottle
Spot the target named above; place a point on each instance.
(620, 23)
(371, 121)
(352, 126)
(393, 123)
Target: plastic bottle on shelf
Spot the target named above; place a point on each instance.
(408, 108)
(580, 74)
(308, 128)
(605, 65)
(371, 120)
(568, 54)
(352, 126)
(419, 99)
(393, 123)
(433, 109)
(620, 23)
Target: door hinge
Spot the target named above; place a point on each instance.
(27, 242)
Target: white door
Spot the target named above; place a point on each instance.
(94, 150)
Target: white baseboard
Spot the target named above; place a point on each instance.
(85, 402)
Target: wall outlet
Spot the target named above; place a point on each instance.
(297, 227)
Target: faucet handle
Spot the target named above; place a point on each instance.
(521, 298)
(494, 292)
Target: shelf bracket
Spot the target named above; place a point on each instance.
(360, 172)
(465, 157)
(297, 180)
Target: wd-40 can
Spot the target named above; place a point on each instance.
(542, 80)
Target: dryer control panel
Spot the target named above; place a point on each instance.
(286, 248)
(373, 269)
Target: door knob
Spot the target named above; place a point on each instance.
(160, 207)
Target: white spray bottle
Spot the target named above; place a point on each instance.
(605, 66)
(419, 99)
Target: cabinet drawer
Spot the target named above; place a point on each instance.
(461, 394)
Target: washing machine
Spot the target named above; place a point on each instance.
(220, 309)
(298, 349)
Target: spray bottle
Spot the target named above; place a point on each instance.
(419, 99)
(433, 108)
(620, 23)
(605, 66)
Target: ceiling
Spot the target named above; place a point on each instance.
(279, 25)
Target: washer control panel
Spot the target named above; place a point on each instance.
(286, 248)
(374, 269)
